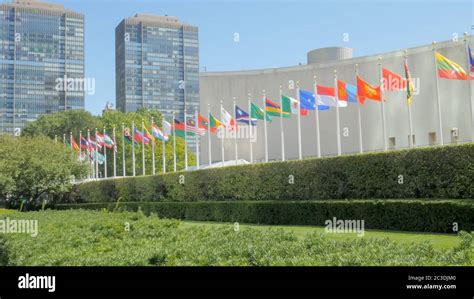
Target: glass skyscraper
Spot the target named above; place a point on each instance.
(157, 65)
(41, 47)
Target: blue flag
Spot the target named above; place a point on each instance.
(351, 93)
(308, 101)
(243, 117)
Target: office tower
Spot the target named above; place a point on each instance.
(41, 61)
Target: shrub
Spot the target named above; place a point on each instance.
(435, 172)
(405, 215)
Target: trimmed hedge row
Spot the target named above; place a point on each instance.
(404, 215)
(434, 172)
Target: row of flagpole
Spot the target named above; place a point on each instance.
(224, 115)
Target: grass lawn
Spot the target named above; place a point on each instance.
(440, 241)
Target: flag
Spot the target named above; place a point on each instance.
(409, 84)
(393, 81)
(109, 143)
(167, 129)
(347, 92)
(156, 132)
(471, 59)
(227, 119)
(74, 145)
(147, 134)
(100, 139)
(308, 101)
(84, 143)
(327, 96)
(94, 145)
(190, 128)
(214, 123)
(274, 109)
(258, 113)
(203, 122)
(100, 158)
(365, 90)
(244, 117)
(449, 69)
(128, 136)
(290, 106)
(139, 137)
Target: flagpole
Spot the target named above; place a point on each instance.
(282, 134)
(105, 157)
(185, 140)
(91, 170)
(80, 145)
(70, 142)
(265, 125)
(440, 123)
(198, 138)
(64, 138)
(143, 148)
(384, 128)
(316, 103)
(115, 152)
(209, 134)
(174, 142)
(468, 71)
(300, 153)
(250, 129)
(410, 121)
(163, 144)
(361, 148)
(133, 149)
(338, 120)
(55, 138)
(152, 148)
(222, 138)
(96, 156)
(124, 170)
(235, 133)
(88, 153)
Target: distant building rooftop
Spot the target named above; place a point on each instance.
(34, 4)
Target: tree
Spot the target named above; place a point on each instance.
(32, 167)
(60, 123)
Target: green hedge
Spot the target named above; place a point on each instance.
(435, 172)
(405, 215)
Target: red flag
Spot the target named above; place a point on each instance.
(365, 90)
(393, 81)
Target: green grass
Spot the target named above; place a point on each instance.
(441, 241)
(101, 238)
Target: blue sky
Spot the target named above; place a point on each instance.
(272, 32)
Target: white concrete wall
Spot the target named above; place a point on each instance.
(455, 105)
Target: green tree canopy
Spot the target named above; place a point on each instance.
(35, 166)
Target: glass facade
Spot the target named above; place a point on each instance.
(39, 46)
(157, 66)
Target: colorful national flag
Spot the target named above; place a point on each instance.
(409, 85)
(190, 128)
(308, 101)
(327, 96)
(147, 134)
(471, 59)
(273, 109)
(100, 139)
(258, 113)
(214, 123)
(227, 119)
(290, 105)
(128, 136)
(393, 81)
(74, 145)
(109, 143)
(367, 91)
(156, 132)
(203, 122)
(167, 129)
(84, 143)
(244, 117)
(449, 69)
(140, 138)
(347, 92)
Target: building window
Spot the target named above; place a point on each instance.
(392, 142)
(432, 138)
